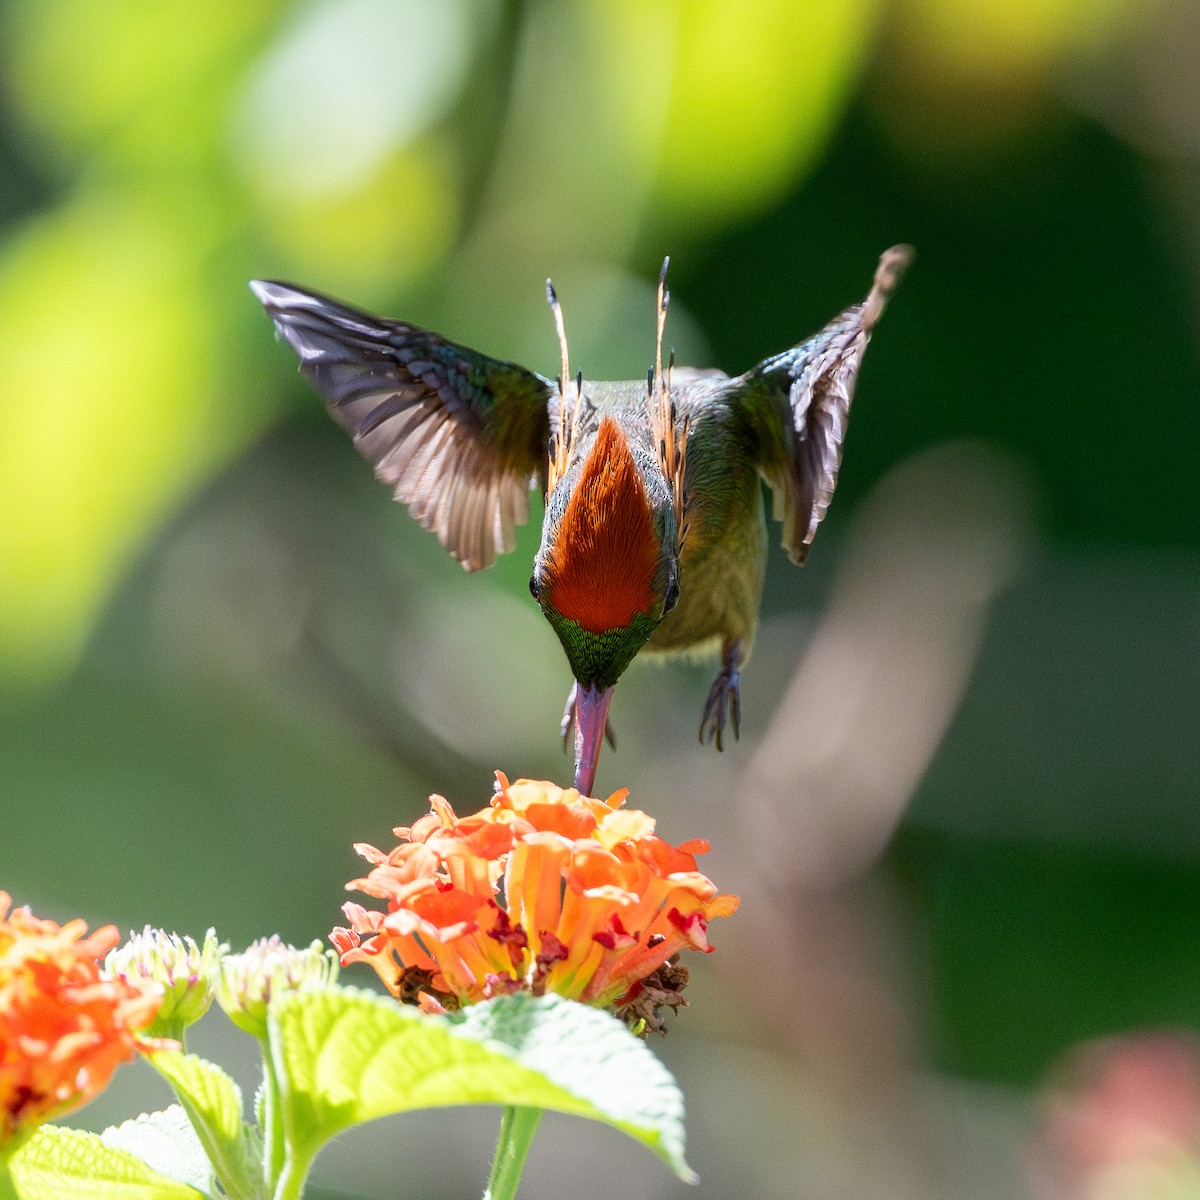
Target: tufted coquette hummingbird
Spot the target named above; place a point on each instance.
(654, 534)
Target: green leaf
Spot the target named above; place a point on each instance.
(591, 1054)
(345, 1056)
(70, 1164)
(213, 1103)
(167, 1142)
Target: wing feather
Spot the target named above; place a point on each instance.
(798, 402)
(460, 438)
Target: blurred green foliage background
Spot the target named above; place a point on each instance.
(225, 656)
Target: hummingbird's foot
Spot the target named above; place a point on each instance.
(724, 700)
(568, 722)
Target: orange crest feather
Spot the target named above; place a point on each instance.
(603, 563)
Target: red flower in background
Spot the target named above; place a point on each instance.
(1121, 1121)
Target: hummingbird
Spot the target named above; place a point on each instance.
(654, 532)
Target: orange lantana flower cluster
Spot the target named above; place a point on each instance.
(63, 1028)
(544, 890)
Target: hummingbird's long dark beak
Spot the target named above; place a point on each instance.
(591, 717)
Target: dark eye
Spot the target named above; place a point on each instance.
(533, 586)
(672, 596)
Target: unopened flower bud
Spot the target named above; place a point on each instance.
(186, 972)
(267, 968)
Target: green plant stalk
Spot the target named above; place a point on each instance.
(173, 1030)
(274, 1147)
(8, 1189)
(290, 1184)
(517, 1127)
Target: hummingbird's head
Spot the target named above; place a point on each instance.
(607, 570)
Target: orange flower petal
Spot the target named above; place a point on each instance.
(542, 890)
(64, 1028)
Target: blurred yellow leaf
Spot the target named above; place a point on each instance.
(966, 78)
(140, 83)
(110, 369)
(754, 91)
(349, 82)
(1021, 38)
(377, 236)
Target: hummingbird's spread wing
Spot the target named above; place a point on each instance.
(807, 393)
(459, 437)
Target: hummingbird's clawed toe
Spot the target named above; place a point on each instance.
(724, 702)
(568, 722)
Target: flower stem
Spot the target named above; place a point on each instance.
(290, 1184)
(274, 1148)
(8, 1189)
(517, 1127)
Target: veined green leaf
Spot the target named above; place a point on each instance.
(213, 1103)
(71, 1164)
(167, 1142)
(592, 1055)
(345, 1056)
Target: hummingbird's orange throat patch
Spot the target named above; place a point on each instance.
(602, 566)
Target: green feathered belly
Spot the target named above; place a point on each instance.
(720, 585)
